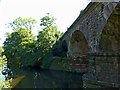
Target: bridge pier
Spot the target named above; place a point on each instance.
(78, 62)
(90, 77)
(99, 69)
(102, 72)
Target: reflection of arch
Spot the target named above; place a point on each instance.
(110, 37)
(78, 43)
(64, 46)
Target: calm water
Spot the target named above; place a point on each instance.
(50, 79)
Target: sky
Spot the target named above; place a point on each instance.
(65, 12)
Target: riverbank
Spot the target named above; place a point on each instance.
(63, 64)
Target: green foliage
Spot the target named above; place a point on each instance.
(47, 21)
(1, 50)
(20, 22)
(48, 61)
(5, 84)
(19, 47)
(47, 37)
(3, 61)
(56, 63)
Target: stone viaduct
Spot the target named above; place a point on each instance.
(93, 42)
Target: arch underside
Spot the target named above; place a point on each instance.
(78, 43)
(110, 37)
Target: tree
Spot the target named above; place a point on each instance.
(3, 61)
(19, 46)
(49, 35)
(47, 38)
(1, 50)
(20, 22)
(47, 21)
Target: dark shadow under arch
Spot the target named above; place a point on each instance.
(60, 49)
(64, 46)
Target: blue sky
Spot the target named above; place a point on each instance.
(65, 12)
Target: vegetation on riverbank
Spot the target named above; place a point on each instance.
(23, 49)
(3, 61)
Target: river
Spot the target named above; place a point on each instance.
(50, 79)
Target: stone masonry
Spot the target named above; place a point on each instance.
(94, 37)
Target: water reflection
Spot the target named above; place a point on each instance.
(50, 79)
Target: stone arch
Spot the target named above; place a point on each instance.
(110, 36)
(60, 49)
(78, 43)
(64, 46)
